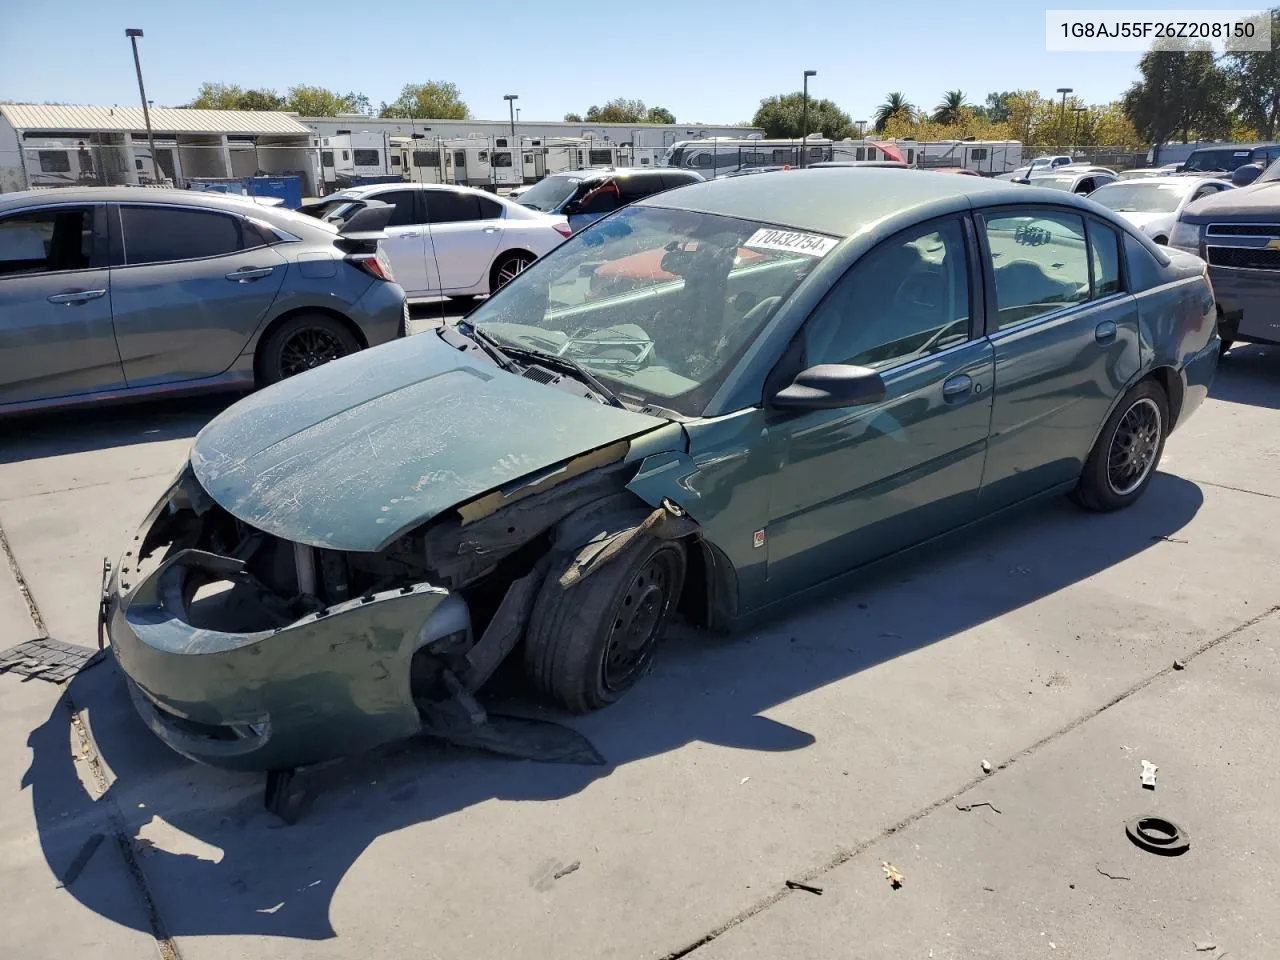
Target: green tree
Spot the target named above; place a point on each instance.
(217, 96)
(1182, 91)
(1253, 80)
(260, 100)
(895, 107)
(315, 101)
(996, 107)
(782, 117)
(659, 115)
(619, 110)
(358, 103)
(948, 111)
(572, 118)
(433, 100)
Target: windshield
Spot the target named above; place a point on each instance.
(658, 303)
(1269, 175)
(1140, 197)
(549, 193)
(1218, 160)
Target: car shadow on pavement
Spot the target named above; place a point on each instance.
(1249, 374)
(56, 433)
(218, 864)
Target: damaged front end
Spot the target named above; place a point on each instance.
(248, 651)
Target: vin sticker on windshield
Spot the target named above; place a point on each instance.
(810, 244)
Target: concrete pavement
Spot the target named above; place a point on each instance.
(812, 748)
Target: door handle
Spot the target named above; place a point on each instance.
(407, 233)
(1105, 332)
(958, 386)
(78, 296)
(490, 229)
(249, 273)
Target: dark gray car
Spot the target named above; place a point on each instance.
(113, 292)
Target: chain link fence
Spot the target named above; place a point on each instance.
(1112, 157)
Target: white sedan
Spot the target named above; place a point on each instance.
(1152, 204)
(444, 239)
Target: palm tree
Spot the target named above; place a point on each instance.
(895, 107)
(948, 111)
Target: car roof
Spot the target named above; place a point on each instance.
(307, 228)
(1184, 179)
(189, 198)
(840, 201)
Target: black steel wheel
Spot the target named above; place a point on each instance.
(303, 343)
(1127, 451)
(507, 268)
(589, 644)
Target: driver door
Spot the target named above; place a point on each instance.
(856, 484)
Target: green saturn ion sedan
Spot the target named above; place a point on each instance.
(704, 405)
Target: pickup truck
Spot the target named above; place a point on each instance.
(1238, 233)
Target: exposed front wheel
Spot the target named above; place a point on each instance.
(1128, 450)
(507, 269)
(303, 343)
(588, 644)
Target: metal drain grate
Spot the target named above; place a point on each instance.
(48, 660)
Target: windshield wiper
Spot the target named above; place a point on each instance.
(572, 367)
(486, 343)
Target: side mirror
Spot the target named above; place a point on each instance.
(1243, 176)
(830, 386)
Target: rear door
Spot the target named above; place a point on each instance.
(465, 233)
(56, 337)
(189, 288)
(406, 243)
(1066, 340)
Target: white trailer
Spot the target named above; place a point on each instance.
(713, 156)
(990, 157)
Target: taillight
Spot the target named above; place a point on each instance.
(374, 266)
(563, 229)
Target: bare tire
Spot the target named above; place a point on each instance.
(1127, 452)
(588, 645)
(507, 268)
(303, 343)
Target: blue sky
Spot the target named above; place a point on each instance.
(708, 62)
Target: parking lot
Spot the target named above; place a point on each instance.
(814, 749)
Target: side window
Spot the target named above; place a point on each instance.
(638, 187)
(490, 209)
(367, 158)
(1039, 263)
(326, 158)
(164, 234)
(449, 206)
(606, 201)
(43, 241)
(405, 201)
(907, 298)
(1085, 185)
(1104, 249)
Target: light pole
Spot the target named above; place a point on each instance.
(1062, 122)
(804, 117)
(133, 34)
(511, 99)
(1075, 134)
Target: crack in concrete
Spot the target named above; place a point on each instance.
(1227, 486)
(33, 610)
(84, 486)
(844, 856)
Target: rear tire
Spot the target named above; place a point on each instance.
(588, 645)
(1127, 452)
(507, 268)
(303, 343)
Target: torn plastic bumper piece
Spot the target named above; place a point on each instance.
(332, 683)
(667, 522)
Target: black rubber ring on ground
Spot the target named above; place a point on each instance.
(1158, 835)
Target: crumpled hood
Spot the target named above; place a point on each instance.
(353, 454)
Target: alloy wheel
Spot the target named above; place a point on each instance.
(307, 349)
(511, 269)
(1134, 445)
